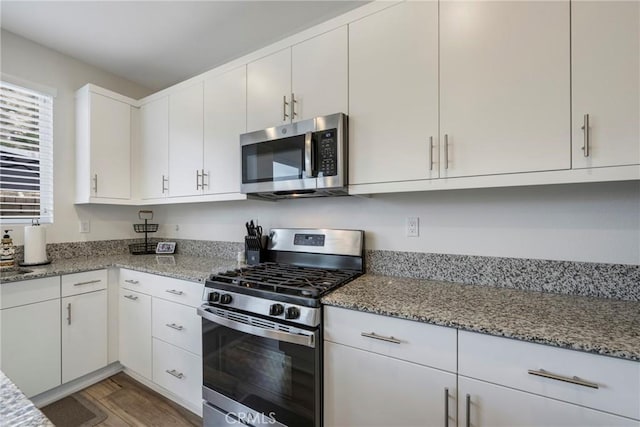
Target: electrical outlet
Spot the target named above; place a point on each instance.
(85, 226)
(413, 226)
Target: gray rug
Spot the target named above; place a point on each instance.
(74, 411)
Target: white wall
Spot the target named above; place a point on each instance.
(583, 222)
(35, 63)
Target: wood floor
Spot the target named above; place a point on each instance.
(129, 403)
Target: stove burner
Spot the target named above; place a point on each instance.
(287, 279)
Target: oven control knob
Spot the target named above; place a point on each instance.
(276, 310)
(214, 297)
(225, 299)
(292, 313)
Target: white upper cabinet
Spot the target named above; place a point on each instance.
(225, 113)
(319, 75)
(185, 141)
(154, 151)
(605, 38)
(504, 87)
(103, 145)
(393, 94)
(298, 83)
(269, 91)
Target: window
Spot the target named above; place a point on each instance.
(26, 155)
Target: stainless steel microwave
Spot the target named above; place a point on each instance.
(302, 159)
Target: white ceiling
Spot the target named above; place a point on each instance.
(159, 43)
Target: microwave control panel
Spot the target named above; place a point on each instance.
(327, 152)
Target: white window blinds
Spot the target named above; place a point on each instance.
(26, 155)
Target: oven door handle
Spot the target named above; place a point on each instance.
(306, 340)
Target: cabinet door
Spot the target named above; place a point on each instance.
(393, 94)
(319, 75)
(225, 118)
(504, 87)
(366, 389)
(269, 91)
(30, 346)
(495, 406)
(185, 141)
(110, 141)
(605, 62)
(154, 152)
(135, 332)
(84, 334)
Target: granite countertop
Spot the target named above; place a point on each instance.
(603, 326)
(184, 267)
(16, 409)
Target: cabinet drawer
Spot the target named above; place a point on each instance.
(80, 283)
(178, 371)
(508, 362)
(417, 342)
(181, 291)
(137, 281)
(25, 292)
(177, 324)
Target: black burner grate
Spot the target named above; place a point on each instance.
(285, 278)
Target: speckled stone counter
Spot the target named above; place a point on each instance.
(16, 409)
(178, 266)
(603, 326)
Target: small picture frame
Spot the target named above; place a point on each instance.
(166, 247)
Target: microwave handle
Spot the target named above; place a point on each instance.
(308, 156)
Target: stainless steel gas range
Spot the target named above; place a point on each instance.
(262, 329)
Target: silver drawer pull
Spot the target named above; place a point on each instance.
(174, 326)
(178, 375)
(87, 283)
(380, 337)
(131, 297)
(173, 291)
(133, 282)
(572, 380)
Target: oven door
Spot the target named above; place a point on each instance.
(278, 159)
(260, 372)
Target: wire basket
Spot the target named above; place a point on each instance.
(143, 248)
(145, 228)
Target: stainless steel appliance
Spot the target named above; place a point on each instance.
(302, 159)
(262, 329)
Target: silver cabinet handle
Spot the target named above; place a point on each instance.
(178, 375)
(164, 180)
(176, 327)
(174, 292)
(95, 183)
(380, 337)
(293, 106)
(430, 153)
(572, 380)
(446, 407)
(131, 297)
(585, 128)
(446, 151)
(87, 283)
(284, 108)
(69, 313)
(133, 282)
(468, 406)
(203, 182)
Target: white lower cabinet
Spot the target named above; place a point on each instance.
(161, 333)
(84, 334)
(492, 405)
(178, 371)
(135, 331)
(368, 389)
(30, 348)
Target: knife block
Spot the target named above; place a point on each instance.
(255, 248)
